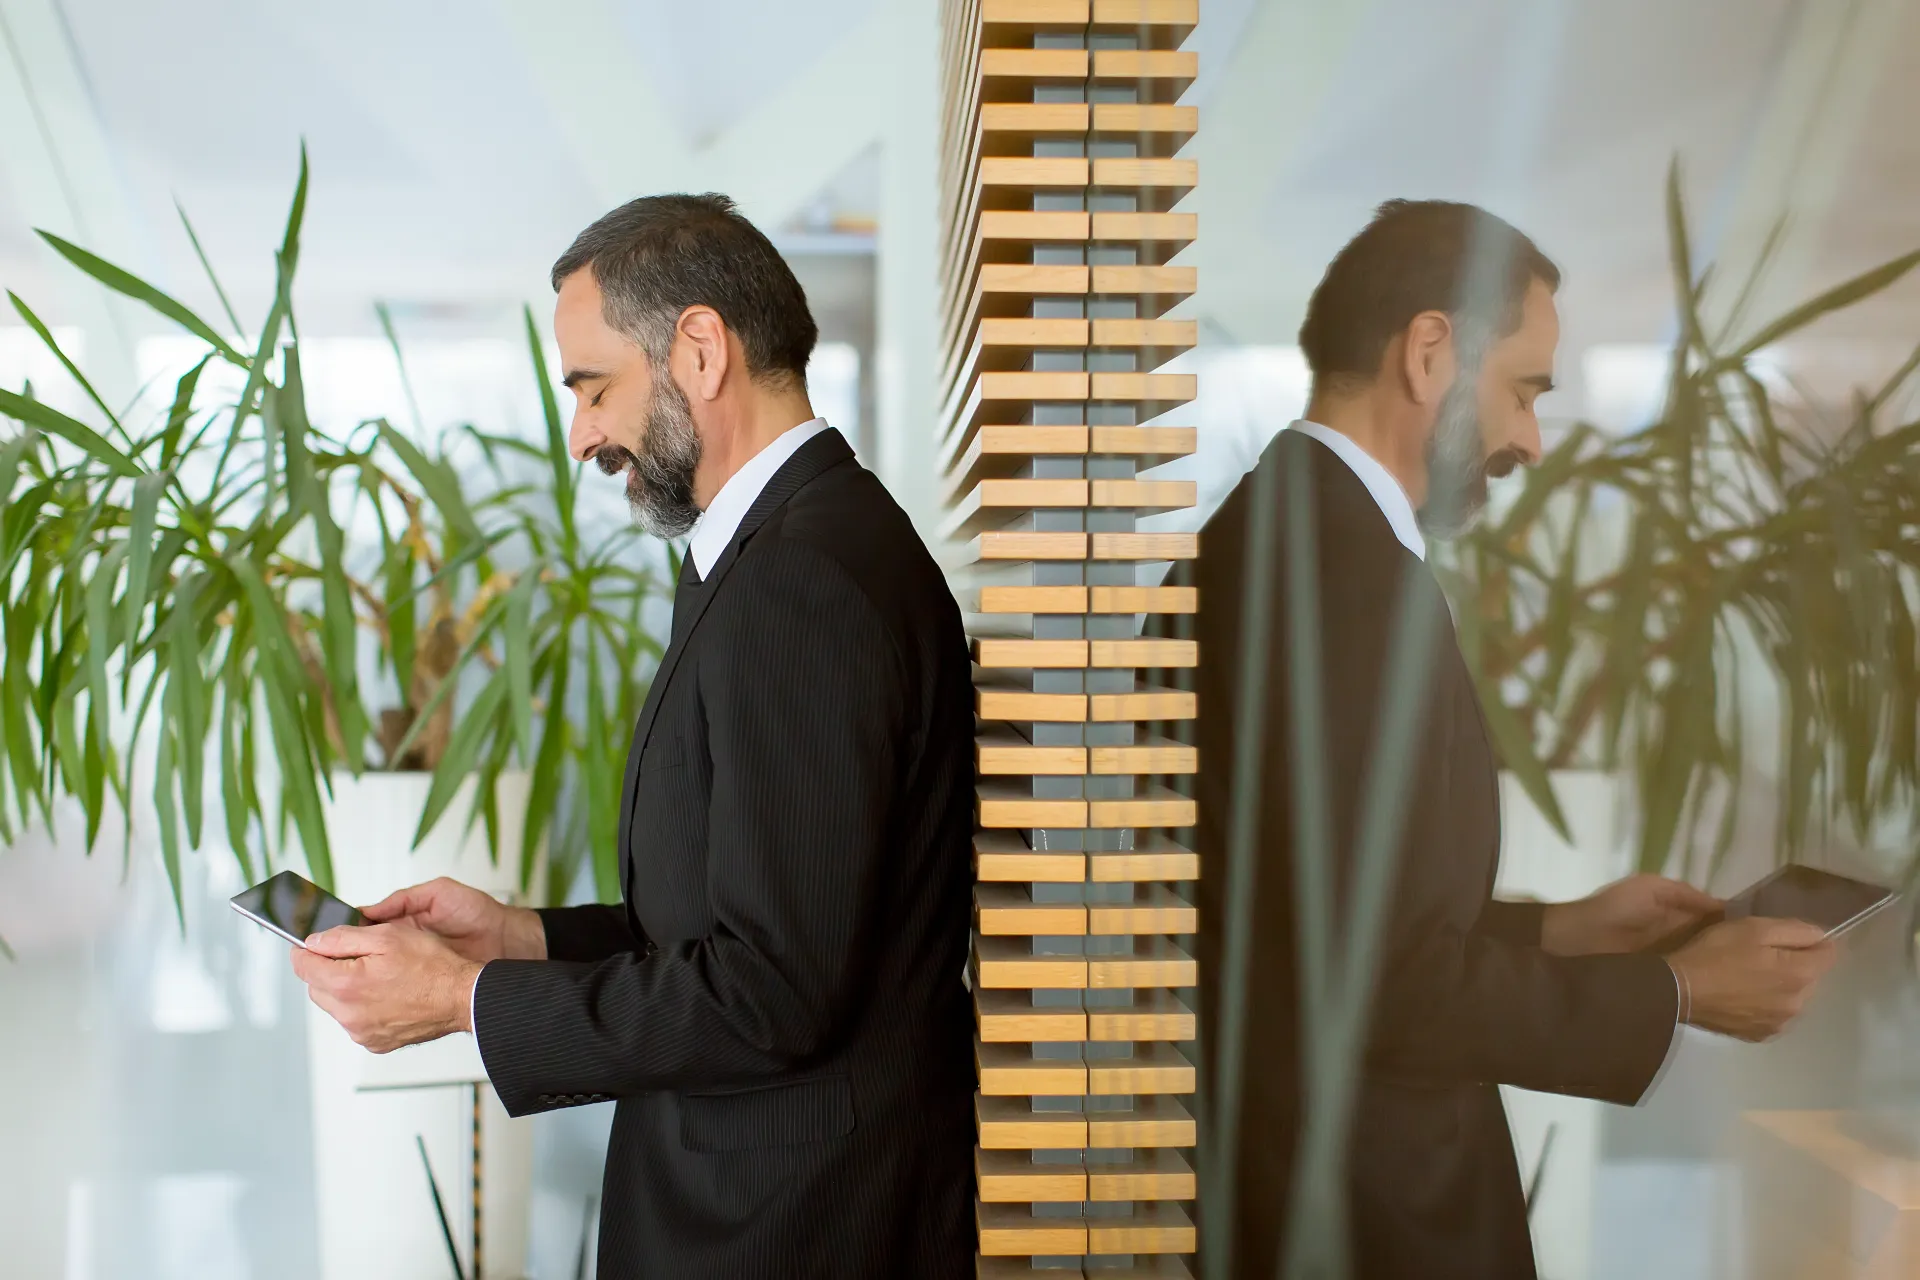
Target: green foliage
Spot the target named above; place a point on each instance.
(1746, 528)
(209, 570)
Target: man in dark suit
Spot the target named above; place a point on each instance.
(777, 1006)
(1429, 339)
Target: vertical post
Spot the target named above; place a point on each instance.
(1060, 174)
(479, 1211)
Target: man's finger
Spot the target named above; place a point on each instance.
(412, 900)
(1684, 896)
(346, 941)
(1790, 935)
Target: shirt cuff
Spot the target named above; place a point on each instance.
(473, 1013)
(1680, 1012)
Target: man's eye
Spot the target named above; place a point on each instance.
(595, 402)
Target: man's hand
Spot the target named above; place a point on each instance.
(1628, 915)
(389, 985)
(466, 919)
(1749, 978)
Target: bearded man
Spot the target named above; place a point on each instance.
(1430, 339)
(776, 1006)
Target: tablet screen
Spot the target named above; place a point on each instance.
(1806, 893)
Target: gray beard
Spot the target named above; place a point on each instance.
(660, 475)
(1456, 463)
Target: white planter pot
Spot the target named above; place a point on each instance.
(1536, 863)
(375, 1210)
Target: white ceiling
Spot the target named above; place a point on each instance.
(456, 148)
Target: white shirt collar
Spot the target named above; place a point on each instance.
(730, 506)
(1387, 493)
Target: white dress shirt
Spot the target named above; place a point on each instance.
(1393, 502)
(711, 535)
(1387, 493)
(730, 506)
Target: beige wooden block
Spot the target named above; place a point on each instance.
(1003, 856)
(1142, 600)
(1001, 806)
(1156, 910)
(1157, 1121)
(1011, 1124)
(1009, 910)
(1154, 1068)
(1011, 1017)
(1153, 1015)
(1001, 963)
(1013, 1177)
(1011, 1070)
(1146, 704)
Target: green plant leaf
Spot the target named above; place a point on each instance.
(400, 363)
(517, 624)
(187, 692)
(100, 638)
(180, 411)
(125, 282)
(207, 266)
(140, 549)
(463, 747)
(602, 821)
(440, 483)
(402, 613)
(73, 370)
(163, 786)
(12, 454)
(548, 763)
(286, 261)
(35, 414)
(1864, 285)
(558, 460)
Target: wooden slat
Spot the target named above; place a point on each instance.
(1143, 652)
(1160, 1228)
(1014, 1177)
(1157, 1173)
(998, 856)
(1014, 1229)
(1160, 444)
(1157, 1015)
(1023, 545)
(1154, 1068)
(1143, 496)
(1160, 910)
(1158, 858)
(1006, 963)
(1166, 966)
(1140, 600)
(1011, 1124)
(1011, 1017)
(1157, 1121)
(1011, 1071)
(1001, 806)
(1021, 706)
(1004, 755)
(1145, 546)
(1145, 704)
(1022, 654)
(1161, 756)
(1021, 598)
(1160, 808)
(1005, 909)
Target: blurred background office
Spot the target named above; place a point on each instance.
(155, 1114)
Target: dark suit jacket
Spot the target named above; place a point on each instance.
(1464, 998)
(778, 1005)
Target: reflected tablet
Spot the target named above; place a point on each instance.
(1835, 903)
(294, 907)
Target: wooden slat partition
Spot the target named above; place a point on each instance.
(1062, 171)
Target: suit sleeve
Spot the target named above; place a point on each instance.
(1460, 1004)
(1513, 921)
(591, 932)
(804, 693)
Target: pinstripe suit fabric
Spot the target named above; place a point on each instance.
(777, 1007)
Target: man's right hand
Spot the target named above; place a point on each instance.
(473, 923)
(1749, 978)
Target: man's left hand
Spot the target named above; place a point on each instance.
(388, 985)
(1628, 915)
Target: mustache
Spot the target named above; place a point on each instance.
(612, 459)
(1503, 461)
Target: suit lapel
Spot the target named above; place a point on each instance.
(824, 450)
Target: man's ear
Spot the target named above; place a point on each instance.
(1427, 361)
(701, 339)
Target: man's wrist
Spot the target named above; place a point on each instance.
(466, 989)
(525, 935)
(1560, 930)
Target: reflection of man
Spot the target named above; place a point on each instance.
(777, 1008)
(1429, 338)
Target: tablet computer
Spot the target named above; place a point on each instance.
(1836, 903)
(294, 907)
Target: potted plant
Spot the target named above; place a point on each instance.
(1640, 589)
(206, 566)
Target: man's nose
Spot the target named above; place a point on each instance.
(583, 438)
